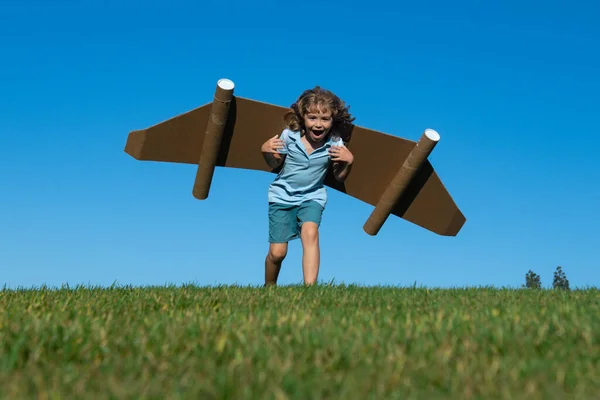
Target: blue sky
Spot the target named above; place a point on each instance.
(512, 88)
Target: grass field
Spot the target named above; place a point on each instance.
(295, 342)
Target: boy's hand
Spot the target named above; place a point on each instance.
(341, 153)
(272, 145)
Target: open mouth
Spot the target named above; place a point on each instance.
(317, 133)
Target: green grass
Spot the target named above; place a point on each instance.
(294, 342)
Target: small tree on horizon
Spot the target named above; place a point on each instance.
(560, 279)
(533, 280)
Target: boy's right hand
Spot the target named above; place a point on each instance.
(273, 145)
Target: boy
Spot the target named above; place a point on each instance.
(297, 196)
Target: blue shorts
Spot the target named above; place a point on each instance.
(285, 221)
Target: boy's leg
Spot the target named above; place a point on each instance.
(309, 216)
(282, 229)
(311, 256)
(276, 255)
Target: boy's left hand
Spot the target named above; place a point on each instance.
(341, 153)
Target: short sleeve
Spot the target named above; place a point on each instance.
(338, 142)
(285, 136)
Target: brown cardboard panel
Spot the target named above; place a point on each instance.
(378, 157)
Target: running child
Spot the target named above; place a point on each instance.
(309, 144)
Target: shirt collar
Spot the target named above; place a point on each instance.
(296, 137)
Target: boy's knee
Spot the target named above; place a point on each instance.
(277, 253)
(310, 232)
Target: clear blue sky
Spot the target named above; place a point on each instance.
(512, 88)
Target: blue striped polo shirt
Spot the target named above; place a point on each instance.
(302, 174)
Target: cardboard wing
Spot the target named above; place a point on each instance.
(390, 173)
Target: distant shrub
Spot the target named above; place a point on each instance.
(533, 280)
(560, 280)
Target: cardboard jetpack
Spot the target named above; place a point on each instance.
(390, 173)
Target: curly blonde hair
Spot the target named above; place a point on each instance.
(324, 100)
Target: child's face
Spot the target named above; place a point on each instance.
(318, 124)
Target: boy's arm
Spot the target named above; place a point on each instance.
(342, 161)
(274, 151)
(274, 160)
(341, 170)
